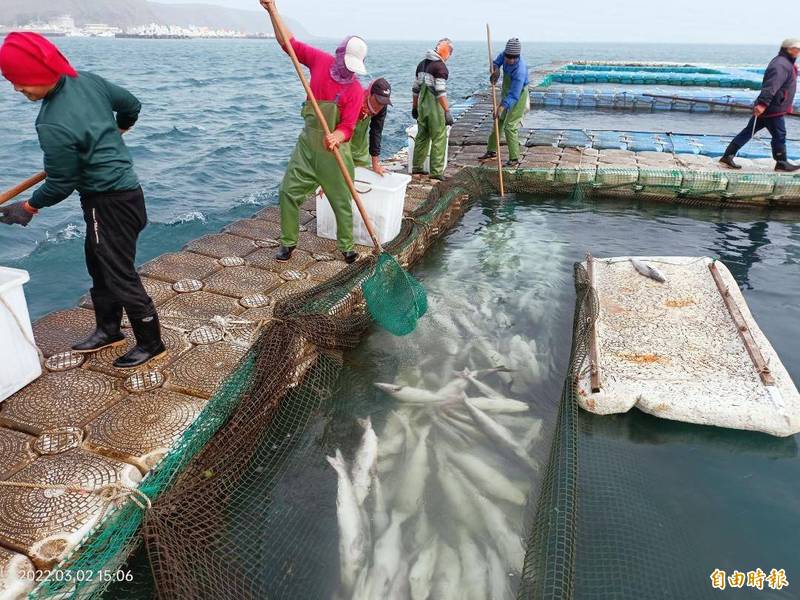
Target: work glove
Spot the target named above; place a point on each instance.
(448, 118)
(414, 113)
(16, 214)
(494, 77)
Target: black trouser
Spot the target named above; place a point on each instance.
(777, 129)
(113, 223)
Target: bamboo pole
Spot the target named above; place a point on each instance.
(494, 111)
(342, 167)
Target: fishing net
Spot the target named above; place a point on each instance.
(395, 300)
(218, 479)
(595, 531)
(615, 509)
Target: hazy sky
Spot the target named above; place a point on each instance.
(683, 21)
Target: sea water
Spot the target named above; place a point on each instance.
(218, 124)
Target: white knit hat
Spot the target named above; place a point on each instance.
(791, 43)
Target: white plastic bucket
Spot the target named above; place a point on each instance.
(412, 138)
(19, 360)
(383, 198)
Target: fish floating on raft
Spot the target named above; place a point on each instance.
(648, 271)
(455, 453)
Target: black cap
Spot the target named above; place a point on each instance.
(382, 91)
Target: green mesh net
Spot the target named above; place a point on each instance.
(394, 298)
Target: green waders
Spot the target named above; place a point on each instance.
(359, 144)
(431, 133)
(510, 122)
(313, 165)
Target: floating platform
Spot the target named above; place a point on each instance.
(687, 349)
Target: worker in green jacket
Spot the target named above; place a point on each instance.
(367, 137)
(431, 110)
(514, 102)
(81, 138)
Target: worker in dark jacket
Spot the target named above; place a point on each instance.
(368, 135)
(81, 138)
(775, 100)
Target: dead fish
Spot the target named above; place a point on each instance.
(412, 395)
(500, 435)
(366, 461)
(648, 271)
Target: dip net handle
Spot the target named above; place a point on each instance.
(494, 107)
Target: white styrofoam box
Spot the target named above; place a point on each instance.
(412, 138)
(383, 198)
(19, 360)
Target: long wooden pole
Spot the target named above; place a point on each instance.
(21, 187)
(750, 344)
(342, 167)
(594, 352)
(494, 109)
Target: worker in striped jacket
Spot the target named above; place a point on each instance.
(431, 109)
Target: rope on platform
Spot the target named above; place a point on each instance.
(113, 492)
(23, 331)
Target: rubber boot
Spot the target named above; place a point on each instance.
(785, 165)
(350, 257)
(781, 164)
(730, 154)
(488, 156)
(108, 317)
(284, 253)
(148, 343)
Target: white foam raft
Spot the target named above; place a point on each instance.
(687, 349)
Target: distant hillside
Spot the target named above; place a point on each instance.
(128, 13)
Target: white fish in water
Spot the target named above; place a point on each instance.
(386, 557)
(352, 535)
(447, 580)
(500, 435)
(648, 271)
(499, 588)
(486, 478)
(411, 395)
(505, 540)
(400, 588)
(366, 460)
(472, 377)
(380, 516)
(474, 577)
(462, 510)
(412, 486)
(420, 577)
(396, 434)
(500, 405)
